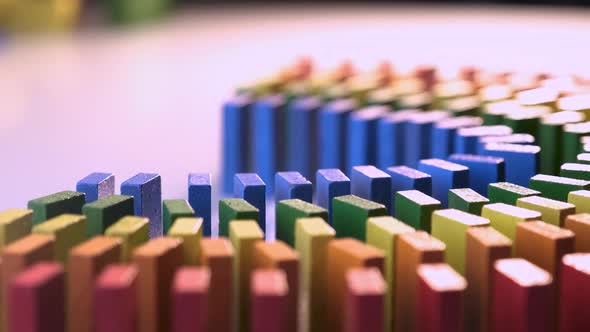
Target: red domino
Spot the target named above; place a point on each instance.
(36, 299)
(574, 302)
(522, 297)
(190, 292)
(114, 299)
(365, 292)
(270, 300)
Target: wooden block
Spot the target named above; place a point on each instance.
(504, 218)
(332, 122)
(85, 262)
(17, 257)
(36, 299)
(330, 183)
(199, 197)
(483, 170)
(190, 294)
(243, 235)
(146, 189)
(102, 213)
(234, 209)
(574, 293)
(365, 297)
(173, 209)
(156, 260)
(301, 134)
(53, 205)
(278, 255)
(444, 132)
(115, 299)
(440, 299)
(557, 187)
(483, 246)
(571, 140)
(218, 255)
(344, 254)
(14, 224)
(392, 128)
(418, 133)
(445, 176)
(383, 233)
(581, 199)
(412, 249)
(467, 200)
(575, 171)
(96, 186)
(508, 193)
(552, 211)
(371, 183)
(190, 230)
(406, 178)
(415, 208)
(132, 231)
(543, 245)
(292, 185)
(269, 300)
(450, 226)
(467, 139)
(521, 161)
(287, 213)
(361, 136)
(550, 138)
(521, 300)
(252, 189)
(68, 230)
(350, 214)
(311, 242)
(236, 132)
(580, 225)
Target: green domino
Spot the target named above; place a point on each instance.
(556, 187)
(494, 112)
(526, 119)
(234, 209)
(552, 211)
(382, 233)
(133, 11)
(175, 208)
(53, 205)
(504, 218)
(509, 193)
(104, 212)
(467, 105)
(133, 232)
(415, 208)
(575, 171)
(571, 140)
(550, 136)
(190, 230)
(68, 230)
(583, 158)
(350, 214)
(467, 200)
(287, 213)
(450, 226)
(14, 224)
(581, 199)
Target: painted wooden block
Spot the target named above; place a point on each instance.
(365, 296)
(580, 225)
(104, 212)
(236, 137)
(511, 139)
(173, 209)
(234, 209)
(552, 211)
(521, 161)
(391, 129)
(504, 218)
(199, 198)
(268, 136)
(574, 293)
(96, 185)
(132, 231)
(290, 185)
(444, 132)
(302, 117)
(218, 255)
(251, 188)
(146, 189)
(330, 183)
(269, 300)
(415, 208)
(14, 224)
(371, 183)
(445, 176)
(190, 231)
(362, 136)
(550, 139)
(467, 200)
(350, 214)
(332, 122)
(575, 171)
(190, 295)
(483, 170)
(287, 213)
(68, 230)
(418, 136)
(47, 207)
(115, 299)
(557, 187)
(508, 193)
(406, 178)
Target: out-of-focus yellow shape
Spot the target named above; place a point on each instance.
(30, 16)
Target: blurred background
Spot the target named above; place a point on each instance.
(125, 86)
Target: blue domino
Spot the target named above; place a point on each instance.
(96, 185)
(146, 189)
(236, 139)
(199, 198)
(371, 183)
(445, 176)
(521, 161)
(407, 178)
(332, 123)
(418, 136)
(290, 185)
(483, 170)
(362, 136)
(443, 134)
(511, 139)
(252, 189)
(302, 119)
(330, 183)
(390, 138)
(466, 140)
(269, 137)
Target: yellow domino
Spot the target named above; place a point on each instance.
(133, 232)
(312, 236)
(190, 230)
(382, 233)
(450, 226)
(552, 211)
(68, 230)
(14, 224)
(504, 218)
(581, 199)
(243, 235)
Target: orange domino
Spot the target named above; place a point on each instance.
(18, 256)
(412, 250)
(580, 225)
(365, 299)
(344, 254)
(218, 256)
(156, 260)
(279, 255)
(85, 262)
